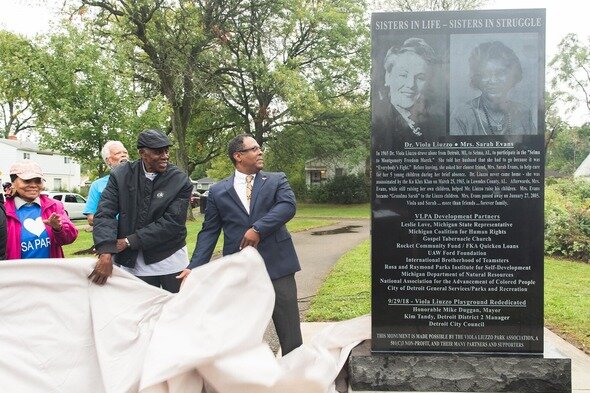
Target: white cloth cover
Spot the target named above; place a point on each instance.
(61, 333)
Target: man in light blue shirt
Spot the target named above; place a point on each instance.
(113, 153)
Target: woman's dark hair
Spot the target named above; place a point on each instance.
(493, 50)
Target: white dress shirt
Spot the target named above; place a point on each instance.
(240, 187)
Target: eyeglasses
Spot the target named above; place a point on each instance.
(255, 149)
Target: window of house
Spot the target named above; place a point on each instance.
(27, 156)
(317, 176)
(67, 160)
(57, 183)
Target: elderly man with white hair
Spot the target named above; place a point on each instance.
(113, 153)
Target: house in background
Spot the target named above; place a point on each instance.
(319, 171)
(203, 184)
(61, 172)
(583, 171)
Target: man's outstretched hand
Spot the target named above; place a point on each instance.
(102, 270)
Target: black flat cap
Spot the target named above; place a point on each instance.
(152, 139)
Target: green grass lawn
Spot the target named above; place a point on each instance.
(334, 211)
(567, 300)
(346, 294)
(347, 291)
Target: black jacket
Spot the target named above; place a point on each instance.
(3, 234)
(152, 214)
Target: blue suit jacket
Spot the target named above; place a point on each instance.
(272, 205)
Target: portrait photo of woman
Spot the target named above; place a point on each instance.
(494, 71)
(403, 109)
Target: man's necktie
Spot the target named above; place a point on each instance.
(249, 179)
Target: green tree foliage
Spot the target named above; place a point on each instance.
(428, 5)
(87, 102)
(230, 66)
(346, 189)
(294, 63)
(569, 148)
(554, 124)
(19, 82)
(173, 49)
(567, 219)
(572, 72)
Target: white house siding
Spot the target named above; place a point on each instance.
(318, 171)
(58, 173)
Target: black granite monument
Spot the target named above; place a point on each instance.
(457, 208)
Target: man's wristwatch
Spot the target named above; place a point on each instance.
(127, 243)
(255, 230)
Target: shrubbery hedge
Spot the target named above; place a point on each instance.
(567, 218)
(346, 189)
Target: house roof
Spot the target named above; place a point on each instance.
(24, 146)
(206, 180)
(584, 168)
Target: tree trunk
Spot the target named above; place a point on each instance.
(182, 161)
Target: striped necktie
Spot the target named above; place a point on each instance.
(249, 179)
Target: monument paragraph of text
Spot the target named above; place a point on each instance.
(457, 209)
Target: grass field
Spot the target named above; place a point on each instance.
(346, 294)
(567, 300)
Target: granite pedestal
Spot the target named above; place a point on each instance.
(456, 373)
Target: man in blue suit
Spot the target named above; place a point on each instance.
(252, 207)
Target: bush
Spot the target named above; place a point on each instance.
(299, 188)
(346, 189)
(567, 219)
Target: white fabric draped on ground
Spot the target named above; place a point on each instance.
(61, 333)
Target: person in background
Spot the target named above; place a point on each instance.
(113, 153)
(6, 187)
(252, 208)
(150, 197)
(37, 226)
(3, 235)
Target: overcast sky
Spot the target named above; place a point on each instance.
(30, 17)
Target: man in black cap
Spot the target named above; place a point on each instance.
(141, 217)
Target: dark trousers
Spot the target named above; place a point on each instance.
(285, 315)
(168, 282)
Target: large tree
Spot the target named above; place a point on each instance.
(172, 46)
(87, 101)
(571, 65)
(294, 62)
(19, 84)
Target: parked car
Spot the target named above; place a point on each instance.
(195, 199)
(73, 203)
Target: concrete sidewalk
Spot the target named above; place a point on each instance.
(318, 251)
(554, 347)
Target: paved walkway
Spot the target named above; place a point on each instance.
(318, 254)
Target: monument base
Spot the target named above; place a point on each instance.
(456, 373)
